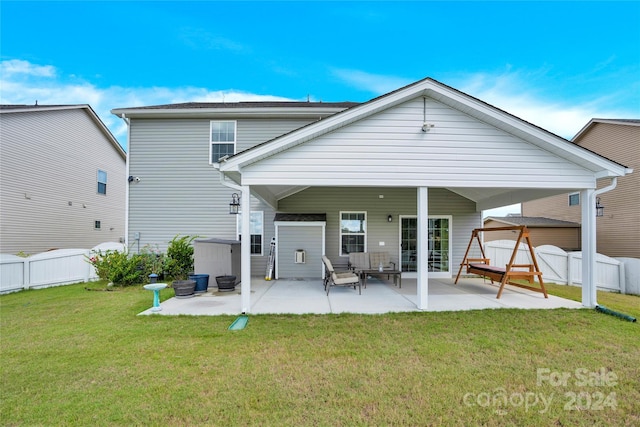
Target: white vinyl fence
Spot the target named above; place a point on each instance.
(558, 266)
(52, 268)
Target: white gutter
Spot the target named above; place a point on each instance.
(614, 182)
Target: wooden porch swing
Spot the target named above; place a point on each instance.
(482, 266)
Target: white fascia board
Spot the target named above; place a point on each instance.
(35, 108)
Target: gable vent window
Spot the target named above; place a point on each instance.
(574, 199)
(223, 140)
(102, 182)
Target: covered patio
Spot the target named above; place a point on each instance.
(426, 151)
(308, 297)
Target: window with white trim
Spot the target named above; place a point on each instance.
(222, 140)
(353, 232)
(574, 199)
(102, 182)
(257, 231)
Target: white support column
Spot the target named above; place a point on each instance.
(423, 248)
(245, 250)
(588, 204)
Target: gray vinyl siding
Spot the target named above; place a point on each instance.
(179, 192)
(396, 202)
(48, 169)
(307, 238)
(459, 152)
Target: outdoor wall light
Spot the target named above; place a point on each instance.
(390, 218)
(599, 207)
(235, 204)
(133, 178)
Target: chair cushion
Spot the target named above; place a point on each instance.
(351, 278)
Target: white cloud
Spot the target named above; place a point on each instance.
(19, 67)
(26, 83)
(517, 93)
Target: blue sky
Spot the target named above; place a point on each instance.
(555, 64)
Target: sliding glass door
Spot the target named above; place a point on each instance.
(439, 244)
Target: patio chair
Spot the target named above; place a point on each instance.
(359, 261)
(343, 278)
(381, 258)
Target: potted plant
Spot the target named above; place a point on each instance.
(180, 265)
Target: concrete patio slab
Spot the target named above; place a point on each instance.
(381, 296)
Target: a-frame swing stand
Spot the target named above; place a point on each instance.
(509, 273)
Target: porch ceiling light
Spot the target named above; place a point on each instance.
(599, 207)
(234, 206)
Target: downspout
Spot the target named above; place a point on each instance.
(589, 286)
(126, 201)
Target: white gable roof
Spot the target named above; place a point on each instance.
(473, 149)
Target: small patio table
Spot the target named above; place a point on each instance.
(397, 276)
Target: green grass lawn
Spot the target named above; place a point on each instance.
(76, 357)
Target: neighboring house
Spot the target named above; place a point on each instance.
(618, 230)
(62, 179)
(408, 173)
(542, 231)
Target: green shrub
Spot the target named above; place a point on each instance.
(179, 263)
(153, 260)
(119, 268)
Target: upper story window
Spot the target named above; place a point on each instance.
(257, 219)
(223, 139)
(574, 199)
(353, 232)
(102, 182)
